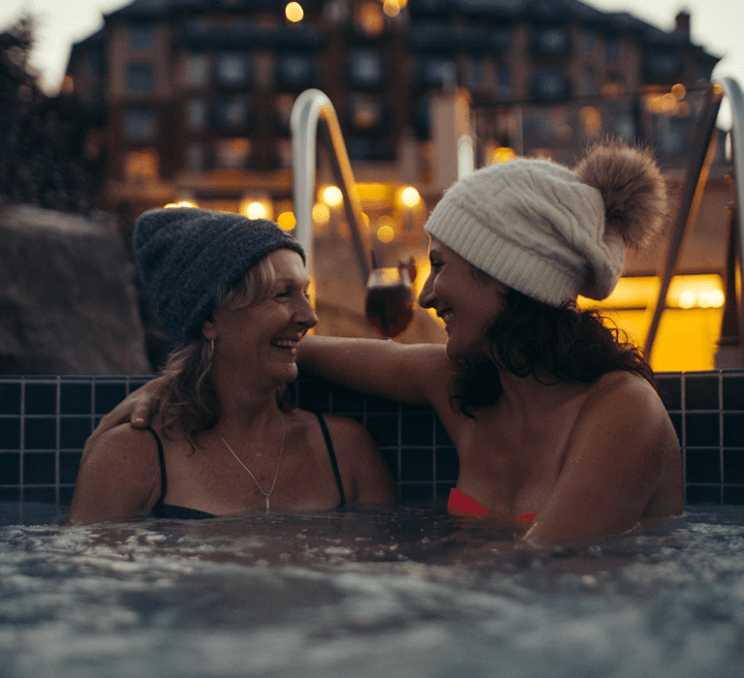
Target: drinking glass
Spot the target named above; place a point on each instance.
(389, 300)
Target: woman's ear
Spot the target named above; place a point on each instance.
(209, 328)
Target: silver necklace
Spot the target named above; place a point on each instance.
(278, 466)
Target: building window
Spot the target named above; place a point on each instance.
(549, 83)
(500, 38)
(365, 113)
(366, 68)
(196, 69)
(662, 63)
(139, 78)
(476, 72)
(550, 40)
(436, 71)
(232, 68)
(612, 49)
(141, 36)
(195, 157)
(232, 153)
(589, 40)
(196, 114)
(142, 164)
(295, 70)
(232, 111)
(589, 81)
(503, 81)
(369, 19)
(283, 112)
(139, 124)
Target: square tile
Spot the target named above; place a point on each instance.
(10, 398)
(10, 433)
(69, 464)
(733, 466)
(10, 468)
(703, 466)
(416, 492)
(42, 495)
(74, 431)
(733, 495)
(733, 392)
(702, 429)
(416, 464)
(417, 428)
(108, 395)
(670, 390)
(39, 468)
(40, 398)
(733, 429)
(703, 494)
(701, 392)
(40, 433)
(75, 398)
(447, 463)
(391, 456)
(384, 429)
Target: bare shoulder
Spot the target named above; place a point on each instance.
(624, 394)
(122, 445)
(345, 431)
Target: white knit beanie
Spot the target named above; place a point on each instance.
(549, 232)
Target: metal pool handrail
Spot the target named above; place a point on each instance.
(310, 108)
(695, 178)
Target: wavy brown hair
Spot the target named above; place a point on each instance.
(530, 338)
(189, 403)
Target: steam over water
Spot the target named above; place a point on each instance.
(376, 593)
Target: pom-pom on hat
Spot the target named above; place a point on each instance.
(552, 233)
(187, 256)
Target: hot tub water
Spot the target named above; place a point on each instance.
(375, 593)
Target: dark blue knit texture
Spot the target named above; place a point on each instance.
(187, 256)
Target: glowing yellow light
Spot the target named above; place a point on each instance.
(286, 221)
(386, 221)
(687, 299)
(321, 213)
(391, 8)
(679, 91)
(256, 210)
(410, 197)
(294, 12)
(592, 120)
(332, 196)
(385, 234)
(180, 203)
(502, 154)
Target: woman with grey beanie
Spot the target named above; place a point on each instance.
(556, 418)
(233, 294)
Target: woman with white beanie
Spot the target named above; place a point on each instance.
(556, 420)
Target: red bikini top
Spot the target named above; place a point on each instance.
(461, 504)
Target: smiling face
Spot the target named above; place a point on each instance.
(467, 301)
(259, 340)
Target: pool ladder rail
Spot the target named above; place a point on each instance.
(699, 160)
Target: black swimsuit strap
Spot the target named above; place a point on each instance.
(157, 509)
(332, 455)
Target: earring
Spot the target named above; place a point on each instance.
(211, 350)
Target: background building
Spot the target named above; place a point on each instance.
(192, 100)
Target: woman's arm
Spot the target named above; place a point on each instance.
(410, 373)
(365, 475)
(623, 465)
(119, 477)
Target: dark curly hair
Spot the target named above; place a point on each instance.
(530, 338)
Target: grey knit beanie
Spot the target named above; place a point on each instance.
(550, 232)
(187, 256)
